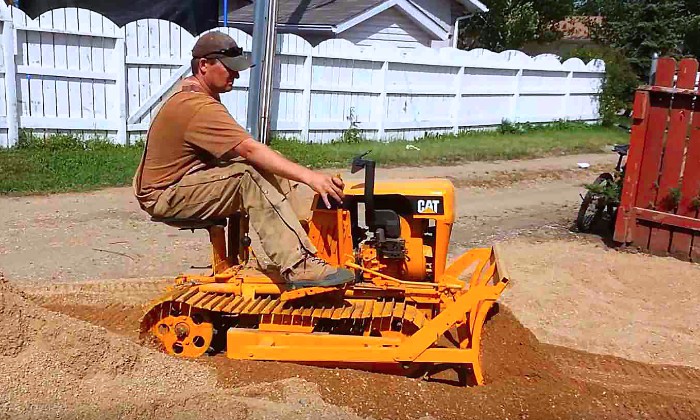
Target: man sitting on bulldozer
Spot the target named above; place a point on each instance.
(200, 164)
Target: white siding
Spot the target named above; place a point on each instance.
(391, 28)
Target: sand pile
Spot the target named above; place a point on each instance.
(56, 366)
(593, 298)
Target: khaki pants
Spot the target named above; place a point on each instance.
(268, 200)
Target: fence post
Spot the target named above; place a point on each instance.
(456, 104)
(121, 84)
(8, 47)
(306, 101)
(382, 108)
(567, 96)
(516, 97)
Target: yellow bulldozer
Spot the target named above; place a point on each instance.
(406, 311)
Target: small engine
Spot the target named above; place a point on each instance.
(399, 239)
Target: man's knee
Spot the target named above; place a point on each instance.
(278, 190)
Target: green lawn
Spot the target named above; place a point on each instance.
(63, 164)
(478, 146)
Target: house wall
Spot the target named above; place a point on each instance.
(438, 10)
(233, 4)
(390, 28)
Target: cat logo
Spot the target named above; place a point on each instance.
(428, 206)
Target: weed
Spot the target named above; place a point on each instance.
(674, 197)
(508, 127)
(611, 191)
(695, 203)
(353, 134)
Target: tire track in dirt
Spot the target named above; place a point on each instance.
(127, 291)
(503, 179)
(652, 406)
(634, 376)
(114, 305)
(670, 392)
(117, 318)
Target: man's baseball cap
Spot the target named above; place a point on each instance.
(222, 47)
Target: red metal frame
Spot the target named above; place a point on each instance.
(661, 192)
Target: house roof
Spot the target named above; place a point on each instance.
(310, 12)
(576, 27)
(329, 13)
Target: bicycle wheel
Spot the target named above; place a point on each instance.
(592, 207)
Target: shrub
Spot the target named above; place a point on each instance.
(619, 83)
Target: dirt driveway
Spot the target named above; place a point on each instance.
(104, 235)
(79, 266)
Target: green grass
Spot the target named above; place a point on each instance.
(36, 171)
(474, 146)
(63, 163)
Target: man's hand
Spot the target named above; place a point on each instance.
(327, 185)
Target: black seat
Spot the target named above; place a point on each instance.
(190, 224)
(622, 149)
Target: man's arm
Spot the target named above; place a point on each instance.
(264, 158)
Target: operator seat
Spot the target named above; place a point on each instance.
(225, 253)
(190, 224)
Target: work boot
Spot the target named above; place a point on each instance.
(315, 272)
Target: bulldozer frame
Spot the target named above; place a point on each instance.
(380, 322)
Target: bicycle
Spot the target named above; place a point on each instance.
(604, 193)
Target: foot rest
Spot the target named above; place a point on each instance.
(308, 291)
(190, 224)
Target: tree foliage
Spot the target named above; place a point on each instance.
(626, 33)
(640, 28)
(510, 24)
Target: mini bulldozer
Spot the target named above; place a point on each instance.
(406, 311)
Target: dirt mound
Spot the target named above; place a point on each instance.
(58, 366)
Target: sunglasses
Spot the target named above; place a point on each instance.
(228, 52)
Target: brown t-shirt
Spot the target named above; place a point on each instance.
(192, 128)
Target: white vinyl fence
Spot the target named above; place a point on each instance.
(72, 70)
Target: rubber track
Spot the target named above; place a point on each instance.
(350, 309)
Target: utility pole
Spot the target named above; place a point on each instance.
(260, 92)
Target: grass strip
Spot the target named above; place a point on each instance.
(65, 164)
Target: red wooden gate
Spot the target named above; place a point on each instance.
(661, 192)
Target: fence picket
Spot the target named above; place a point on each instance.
(624, 225)
(673, 150)
(682, 244)
(649, 173)
(652, 215)
(8, 40)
